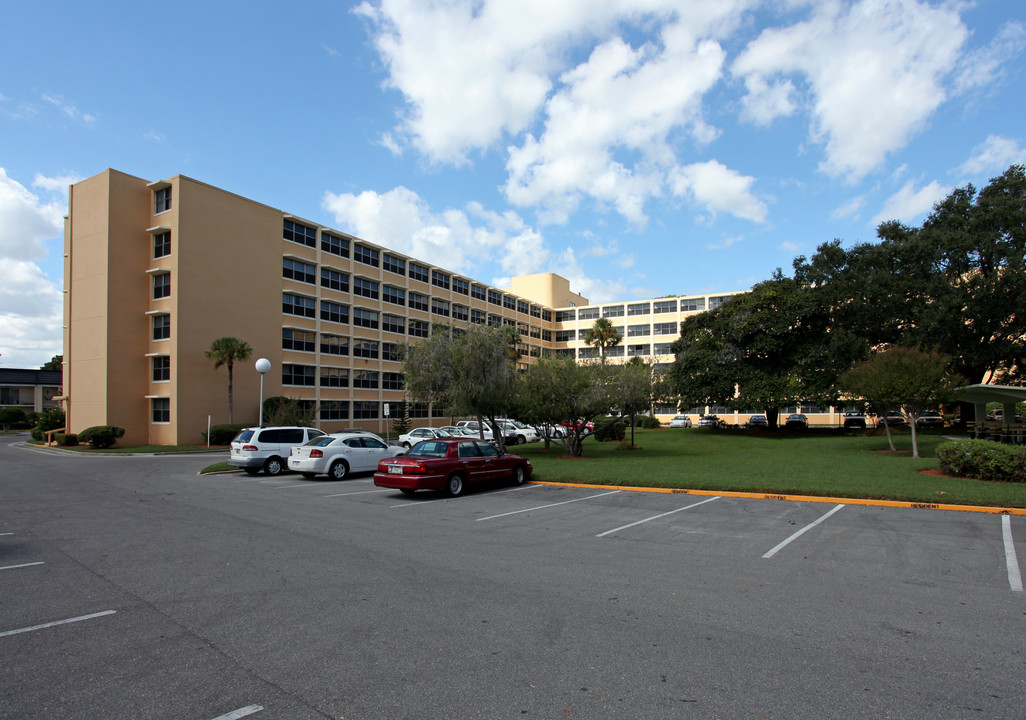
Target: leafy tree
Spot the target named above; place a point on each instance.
(906, 378)
(51, 419)
(560, 391)
(633, 389)
(54, 363)
(282, 410)
(226, 351)
(9, 416)
(401, 417)
(602, 335)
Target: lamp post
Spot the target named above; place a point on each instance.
(262, 366)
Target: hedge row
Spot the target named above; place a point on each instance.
(224, 434)
(983, 460)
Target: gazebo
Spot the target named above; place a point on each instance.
(1006, 429)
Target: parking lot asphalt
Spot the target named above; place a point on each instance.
(131, 587)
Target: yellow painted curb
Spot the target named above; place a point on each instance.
(801, 498)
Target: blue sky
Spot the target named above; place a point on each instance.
(638, 147)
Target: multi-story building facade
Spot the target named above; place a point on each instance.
(155, 271)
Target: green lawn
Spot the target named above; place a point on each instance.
(812, 463)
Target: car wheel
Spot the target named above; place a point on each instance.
(252, 471)
(406, 446)
(274, 466)
(309, 475)
(339, 470)
(407, 491)
(454, 485)
(519, 476)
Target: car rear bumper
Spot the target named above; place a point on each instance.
(409, 482)
(246, 462)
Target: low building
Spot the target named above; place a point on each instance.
(30, 390)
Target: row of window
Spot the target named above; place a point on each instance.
(306, 375)
(306, 341)
(657, 307)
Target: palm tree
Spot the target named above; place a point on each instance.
(225, 351)
(603, 335)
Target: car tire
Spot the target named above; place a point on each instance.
(453, 485)
(274, 466)
(339, 470)
(519, 475)
(252, 471)
(406, 446)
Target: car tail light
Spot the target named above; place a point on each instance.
(250, 448)
(316, 453)
(418, 469)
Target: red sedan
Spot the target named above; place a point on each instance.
(449, 465)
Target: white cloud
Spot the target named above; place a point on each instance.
(25, 222)
(850, 210)
(996, 153)
(69, 110)
(724, 243)
(908, 203)
(984, 66)
(876, 71)
(719, 189)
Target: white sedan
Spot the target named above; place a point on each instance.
(339, 455)
(425, 433)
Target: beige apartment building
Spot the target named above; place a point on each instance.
(155, 271)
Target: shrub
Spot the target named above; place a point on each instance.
(647, 422)
(11, 416)
(224, 434)
(612, 429)
(49, 420)
(982, 460)
(101, 436)
(66, 439)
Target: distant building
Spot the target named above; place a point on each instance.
(30, 390)
(155, 271)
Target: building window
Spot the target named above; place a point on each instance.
(294, 232)
(333, 312)
(495, 297)
(161, 407)
(535, 332)
(334, 410)
(161, 286)
(393, 323)
(587, 353)
(417, 328)
(418, 272)
(666, 306)
(695, 305)
(418, 301)
(588, 313)
(662, 349)
(565, 352)
(365, 318)
(639, 309)
(297, 374)
(334, 245)
(638, 350)
(298, 305)
(334, 280)
(391, 351)
(298, 270)
(612, 311)
(365, 255)
(334, 377)
(494, 320)
(161, 200)
(365, 348)
(394, 295)
(459, 312)
(566, 315)
(366, 288)
(394, 264)
(334, 344)
(417, 411)
(460, 286)
(563, 336)
(439, 307)
(523, 307)
(297, 340)
(477, 292)
(638, 330)
(669, 328)
(365, 411)
(161, 245)
(614, 352)
(509, 302)
(546, 335)
(535, 311)
(392, 381)
(366, 379)
(440, 279)
(161, 327)
(161, 368)
(477, 316)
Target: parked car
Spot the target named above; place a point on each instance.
(893, 420)
(680, 421)
(758, 422)
(339, 455)
(930, 419)
(524, 433)
(425, 433)
(586, 428)
(256, 448)
(796, 421)
(449, 465)
(854, 420)
(711, 421)
(508, 434)
(457, 431)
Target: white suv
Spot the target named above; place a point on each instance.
(265, 448)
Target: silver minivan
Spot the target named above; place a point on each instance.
(266, 448)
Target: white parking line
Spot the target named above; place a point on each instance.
(1014, 576)
(801, 532)
(240, 713)
(361, 492)
(57, 622)
(15, 567)
(656, 517)
(542, 507)
(6, 533)
(418, 503)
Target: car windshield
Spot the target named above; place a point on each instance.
(430, 448)
(322, 441)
